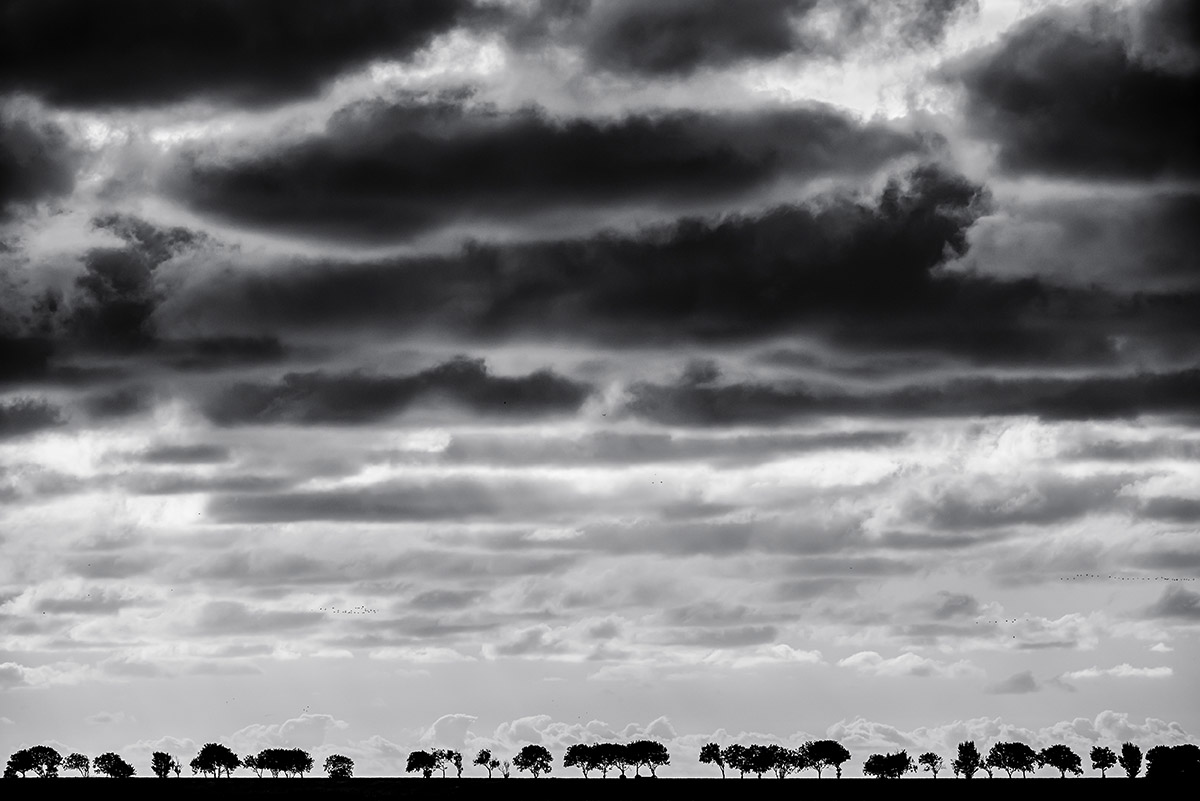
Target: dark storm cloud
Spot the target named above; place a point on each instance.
(36, 159)
(723, 637)
(358, 398)
(142, 52)
(443, 500)
(188, 483)
(121, 402)
(1176, 603)
(27, 416)
(390, 170)
(763, 403)
(1036, 501)
(1067, 93)
(283, 568)
(612, 447)
(198, 453)
(954, 604)
(840, 258)
(670, 38)
(1172, 509)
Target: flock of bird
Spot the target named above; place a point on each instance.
(355, 610)
(1086, 576)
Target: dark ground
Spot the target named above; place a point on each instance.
(553, 788)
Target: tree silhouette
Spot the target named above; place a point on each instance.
(163, 764)
(78, 762)
(1177, 763)
(1103, 758)
(607, 756)
(649, 754)
(1130, 760)
(215, 759)
(113, 766)
(889, 766)
(422, 761)
(759, 759)
(787, 760)
(967, 763)
(931, 762)
(735, 757)
(710, 754)
(823, 754)
(338, 766)
(1061, 758)
(291, 762)
(447, 759)
(484, 760)
(19, 762)
(1012, 757)
(580, 755)
(535, 759)
(250, 762)
(504, 768)
(41, 759)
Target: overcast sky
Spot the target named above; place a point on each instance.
(471, 373)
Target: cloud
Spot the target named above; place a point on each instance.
(358, 398)
(184, 454)
(449, 731)
(138, 53)
(1122, 671)
(308, 731)
(392, 170)
(906, 664)
(1016, 684)
(1066, 93)
(28, 416)
(673, 38)
(37, 160)
(952, 604)
(235, 618)
(1176, 602)
(109, 718)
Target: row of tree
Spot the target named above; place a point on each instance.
(213, 761)
(1010, 757)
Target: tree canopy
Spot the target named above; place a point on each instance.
(338, 766)
(422, 761)
(968, 761)
(1103, 758)
(1130, 760)
(1062, 759)
(78, 762)
(214, 760)
(889, 766)
(533, 758)
(113, 766)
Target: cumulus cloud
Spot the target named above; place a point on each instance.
(907, 664)
(1122, 671)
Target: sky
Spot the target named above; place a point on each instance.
(473, 373)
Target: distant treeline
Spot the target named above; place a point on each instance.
(215, 761)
